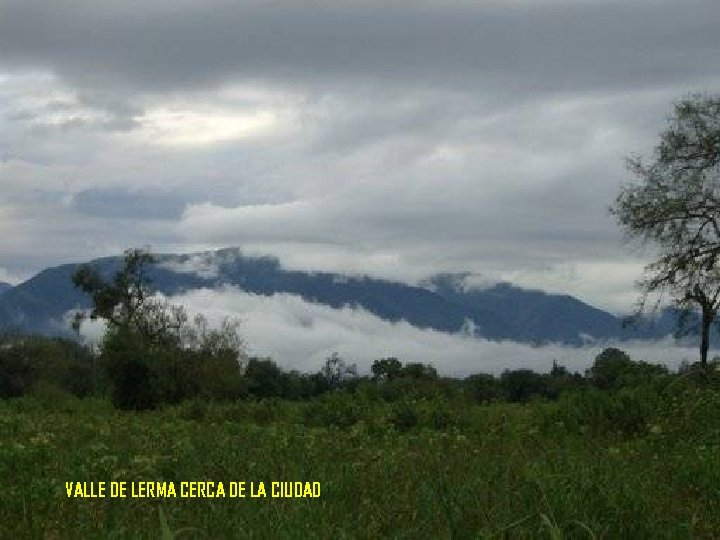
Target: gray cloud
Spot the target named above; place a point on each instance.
(120, 203)
(526, 47)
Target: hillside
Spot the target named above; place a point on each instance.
(500, 312)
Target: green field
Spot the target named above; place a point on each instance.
(633, 464)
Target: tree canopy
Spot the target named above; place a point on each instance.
(126, 301)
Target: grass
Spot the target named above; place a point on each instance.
(386, 470)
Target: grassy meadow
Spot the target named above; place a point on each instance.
(642, 462)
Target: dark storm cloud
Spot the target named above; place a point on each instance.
(503, 46)
(120, 203)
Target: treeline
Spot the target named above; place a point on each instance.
(144, 379)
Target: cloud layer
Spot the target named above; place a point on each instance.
(301, 335)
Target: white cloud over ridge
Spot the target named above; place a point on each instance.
(202, 267)
(301, 335)
(7, 277)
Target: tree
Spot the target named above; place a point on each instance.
(264, 377)
(152, 351)
(614, 369)
(521, 384)
(386, 368)
(609, 366)
(17, 373)
(558, 371)
(416, 370)
(675, 207)
(127, 304)
(336, 371)
(482, 387)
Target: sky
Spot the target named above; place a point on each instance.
(398, 139)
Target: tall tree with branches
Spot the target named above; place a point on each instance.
(674, 206)
(127, 304)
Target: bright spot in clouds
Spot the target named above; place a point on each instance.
(190, 127)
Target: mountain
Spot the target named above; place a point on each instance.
(4, 287)
(539, 317)
(534, 316)
(500, 312)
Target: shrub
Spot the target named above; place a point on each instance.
(441, 415)
(627, 411)
(17, 374)
(263, 411)
(482, 388)
(194, 409)
(522, 384)
(404, 415)
(416, 370)
(264, 377)
(27, 360)
(78, 380)
(334, 409)
(134, 385)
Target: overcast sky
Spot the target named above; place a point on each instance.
(352, 135)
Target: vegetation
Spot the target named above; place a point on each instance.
(437, 458)
(627, 449)
(152, 353)
(675, 206)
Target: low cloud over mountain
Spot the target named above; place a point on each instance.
(300, 317)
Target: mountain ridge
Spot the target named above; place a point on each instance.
(498, 312)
